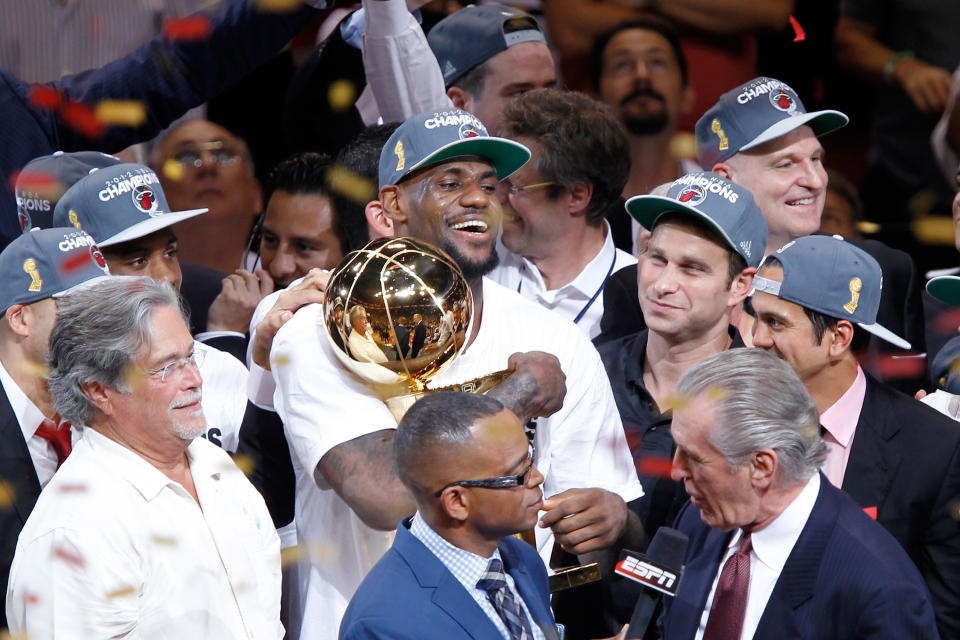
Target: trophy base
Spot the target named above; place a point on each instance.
(399, 405)
(563, 579)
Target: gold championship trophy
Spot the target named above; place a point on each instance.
(397, 313)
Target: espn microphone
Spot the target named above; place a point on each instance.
(658, 570)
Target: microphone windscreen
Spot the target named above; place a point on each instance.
(668, 548)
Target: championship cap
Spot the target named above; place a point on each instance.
(42, 182)
(829, 275)
(48, 263)
(753, 113)
(474, 34)
(944, 369)
(117, 204)
(946, 289)
(436, 136)
(726, 207)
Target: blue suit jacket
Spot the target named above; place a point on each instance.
(845, 578)
(167, 77)
(409, 593)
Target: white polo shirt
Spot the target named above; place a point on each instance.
(114, 548)
(224, 395)
(581, 300)
(322, 405)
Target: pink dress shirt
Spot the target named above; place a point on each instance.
(840, 422)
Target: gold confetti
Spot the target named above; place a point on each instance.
(683, 145)
(296, 553)
(867, 227)
(122, 591)
(277, 6)
(172, 170)
(281, 360)
(6, 494)
(716, 393)
(341, 95)
(954, 510)
(933, 229)
(674, 402)
(244, 463)
(10, 635)
(167, 541)
(351, 185)
(123, 113)
(35, 369)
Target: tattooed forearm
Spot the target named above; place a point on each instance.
(520, 393)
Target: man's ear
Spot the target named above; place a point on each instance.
(724, 170)
(741, 286)
(580, 195)
(19, 319)
(390, 201)
(763, 468)
(460, 98)
(840, 338)
(379, 223)
(455, 504)
(99, 395)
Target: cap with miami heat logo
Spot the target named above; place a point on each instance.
(117, 204)
(726, 207)
(756, 112)
(48, 263)
(436, 136)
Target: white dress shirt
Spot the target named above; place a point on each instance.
(771, 548)
(115, 549)
(29, 417)
(581, 298)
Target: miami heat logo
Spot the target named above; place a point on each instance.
(783, 101)
(24, 218)
(468, 130)
(692, 195)
(145, 199)
(98, 258)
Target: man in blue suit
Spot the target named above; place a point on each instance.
(454, 570)
(775, 550)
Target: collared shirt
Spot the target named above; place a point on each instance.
(772, 546)
(572, 299)
(840, 422)
(29, 417)
(468, 568)
(114, 548)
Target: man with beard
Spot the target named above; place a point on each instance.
(898, 459)
(147, 530)
(639, 69)
(440, 188)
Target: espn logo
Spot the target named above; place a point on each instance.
(647, 573)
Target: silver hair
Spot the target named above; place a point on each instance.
(100, 329)
(761, 404)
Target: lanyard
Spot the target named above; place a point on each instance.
(592, 298)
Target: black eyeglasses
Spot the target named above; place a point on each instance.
(502, 482)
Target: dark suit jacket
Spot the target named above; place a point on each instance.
(17, 472)
(905, 461)
(409, 593)
(168, 77)
(419, 337)
(845, 578)
(403, 339)
(622, 315)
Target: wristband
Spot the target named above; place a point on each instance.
(892, 63)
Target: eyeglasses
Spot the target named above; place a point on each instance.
(217, 153)
(514, 190)
(501, 482)
(175, 369)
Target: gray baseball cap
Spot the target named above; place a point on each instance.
(118, 203)
(829, 275)
(474, 34)
(436, 136)
(44, 180)
(48, 263)
(756, 112)
(726, 207)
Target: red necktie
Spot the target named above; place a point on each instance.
(57, 436)
(730, 599)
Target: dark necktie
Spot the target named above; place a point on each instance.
(730, 599)
(494, 582)
(57, 436)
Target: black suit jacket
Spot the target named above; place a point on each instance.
(20, 479)
(845, 578)
(905, 461)
(622, 315)
(419, 337)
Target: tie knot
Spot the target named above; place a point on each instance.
(745, 545)
(58, 435)
(494, 578)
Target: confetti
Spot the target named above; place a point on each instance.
(954, 510)
(871, 511)
(67, 556)
(122, 591)
(947, 322)
(166, 541)
(674, 402)
(72, 488)
(122, 113)
(44, 97)
(867, 227)
(32, 368)
(296, 553)
(10, 635)
(74, 262)
(195, 27)
(654, 466)
(351, 185)
(82, 118)
(798, 34)
(716, 393)
(244, 463)
(281, 360)
(341, 95)
(277, 6)
(683, 144)
(893, 368)
(6, 494)
(173, 170)
(933, 229)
